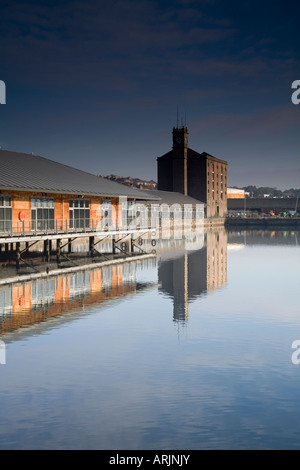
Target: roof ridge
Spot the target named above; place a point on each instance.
(57, 181)
(52, 161)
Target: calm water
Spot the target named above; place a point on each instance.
(190, 349)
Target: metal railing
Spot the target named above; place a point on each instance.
(65, 226)
(164, 220)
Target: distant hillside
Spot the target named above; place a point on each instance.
(135, 183)
(250, 191)
(264, 191)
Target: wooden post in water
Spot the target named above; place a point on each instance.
(47, 249)
(131, 245)
(18, 255)
(91, 245)
(58, 250)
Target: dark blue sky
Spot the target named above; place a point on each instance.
(96, 84)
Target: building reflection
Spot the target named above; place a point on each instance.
(242, 238)
(195, 273)
(187, 270)
(26, 303)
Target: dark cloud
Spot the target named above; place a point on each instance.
(100, 75)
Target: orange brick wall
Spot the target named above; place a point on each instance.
(21, 202)
(62, 289)
(21, 296)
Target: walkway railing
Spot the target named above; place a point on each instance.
(11, 228)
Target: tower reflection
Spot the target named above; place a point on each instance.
(195, 273)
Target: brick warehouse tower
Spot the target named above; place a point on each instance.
(194, 174)
(172, 167)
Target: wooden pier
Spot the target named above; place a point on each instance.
(17, 244)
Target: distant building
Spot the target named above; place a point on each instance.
(234, 193)
(198, 175)
(260, 205)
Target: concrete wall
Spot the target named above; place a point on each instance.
(262, 203)
(271, 223)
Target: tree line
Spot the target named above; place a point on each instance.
(263, 191)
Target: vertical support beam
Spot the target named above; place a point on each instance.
(58, 250)
(132, 244)
(114, 245)
(47, 249)
(18, 255)
(91, 245)
(70, 246)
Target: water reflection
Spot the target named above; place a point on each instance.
(266, 237)
(199, 266)
(25, 303)
(186, 270)
(120, 372)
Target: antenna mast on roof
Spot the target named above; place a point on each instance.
(177, 116)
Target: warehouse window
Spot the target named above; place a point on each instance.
(5, 213)
(129, 213)
(42, 213)
(108, 219)
(79, 213)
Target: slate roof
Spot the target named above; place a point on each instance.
(28, 172)
(171, 197)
